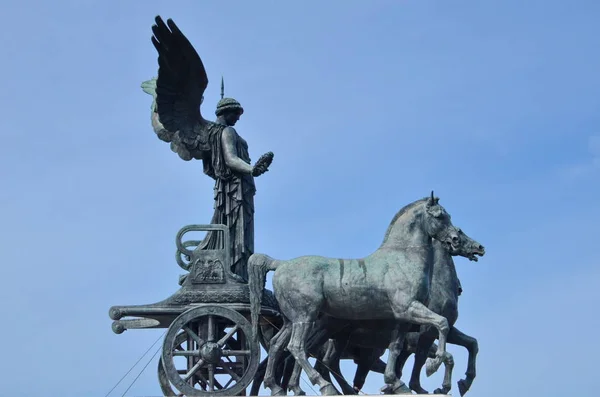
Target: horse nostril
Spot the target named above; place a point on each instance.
(481, 247)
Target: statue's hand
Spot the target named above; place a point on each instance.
(262, 165)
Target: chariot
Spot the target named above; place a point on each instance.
(208, 349)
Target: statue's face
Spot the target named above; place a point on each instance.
(231, 117)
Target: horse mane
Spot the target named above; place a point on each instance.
(402, 211)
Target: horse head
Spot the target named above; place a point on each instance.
(468, 248)
(439, 225)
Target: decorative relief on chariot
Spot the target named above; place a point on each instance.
(209, 271)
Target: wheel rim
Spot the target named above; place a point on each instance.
(208, 350)
(163, 380)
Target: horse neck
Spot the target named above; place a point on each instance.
(406, 231)
(444, 270)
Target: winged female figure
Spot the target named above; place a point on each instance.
(176, 118)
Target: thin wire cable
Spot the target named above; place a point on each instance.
(133, 366)
(143, 369)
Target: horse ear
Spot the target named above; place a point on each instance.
(431, 200)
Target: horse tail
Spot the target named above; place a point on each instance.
(258, 267)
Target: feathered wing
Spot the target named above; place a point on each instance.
(179, 89)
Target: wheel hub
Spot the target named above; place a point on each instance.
(211, 353)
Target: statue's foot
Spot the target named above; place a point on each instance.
(329, 390)
(398, 387)
(463, 387)
(416, 387)
(442, 390)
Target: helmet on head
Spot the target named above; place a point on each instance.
(227, 104)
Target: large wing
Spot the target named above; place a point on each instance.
(181, 80)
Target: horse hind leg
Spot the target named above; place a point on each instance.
(294, 385)
(259, 377)
(297, 347)
(276, 348)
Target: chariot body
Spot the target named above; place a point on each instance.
(208, 347)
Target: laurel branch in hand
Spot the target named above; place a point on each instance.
(262, 165)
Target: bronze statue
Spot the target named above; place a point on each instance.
(388, 285)
(210, 346)
(176, 118)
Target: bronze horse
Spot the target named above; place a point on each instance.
(392, 284)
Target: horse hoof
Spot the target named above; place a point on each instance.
(397, 388)
(432, 365)
(278, 391)
(444, 390)
(462, 387)
(299, 393)
(418, 389)
(328, 390)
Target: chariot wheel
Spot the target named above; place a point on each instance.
(208, 351)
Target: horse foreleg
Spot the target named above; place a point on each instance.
(366, 363)
(449, 367)
(393, 383)
(418, 313)
(276, 347)
(458, 338)
(421, 354)
(402, 358)
(297, 346)
(411, 340)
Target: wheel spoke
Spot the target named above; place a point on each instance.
(224, 339)
(194, 336)
(229, 371)
(236, 352)
(218, 385)
(211, 329)
(211, 377)
(187, 353)
(193, 370)
(228, 382)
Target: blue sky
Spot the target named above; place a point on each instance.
(367, 106)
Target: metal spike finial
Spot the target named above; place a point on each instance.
(222, 88)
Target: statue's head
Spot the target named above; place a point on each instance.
(229, 110)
